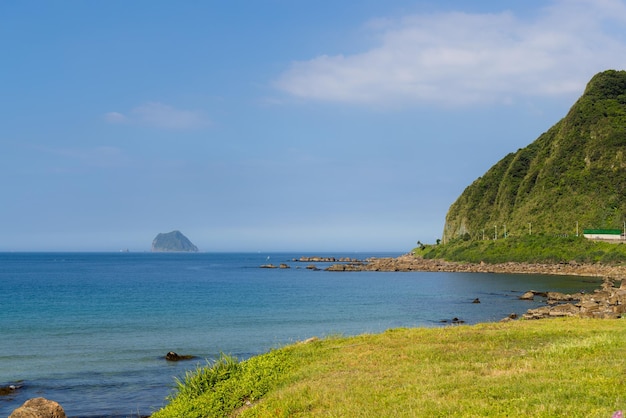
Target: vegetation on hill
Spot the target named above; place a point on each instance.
(573, 177)
(560, 367)
(538, 248)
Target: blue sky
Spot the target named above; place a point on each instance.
(275, 125)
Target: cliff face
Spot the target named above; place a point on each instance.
(173, 241)
(573, 174)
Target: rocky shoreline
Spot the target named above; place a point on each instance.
(607, 302)
(409, 262)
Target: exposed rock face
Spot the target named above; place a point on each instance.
(39, 408)
(173, 241)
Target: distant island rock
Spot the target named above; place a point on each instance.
(173, 241)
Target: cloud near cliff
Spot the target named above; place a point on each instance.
(460, 58)
(161, 116)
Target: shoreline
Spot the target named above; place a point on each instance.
(608, 302)
(408, 262)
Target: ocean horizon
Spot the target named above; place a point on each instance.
(91, 330)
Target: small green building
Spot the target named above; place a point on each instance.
(604, 234)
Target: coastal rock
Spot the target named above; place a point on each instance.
(560, 297)
(172, 356)
(9, 389)
(309, 340)
(409, 262)
(318, 259)
(39, 408)
(564, 310)
(511, 317)
(608, 302)
(455, 321)
(530, 295)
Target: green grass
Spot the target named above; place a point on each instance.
(563, 367)
(527, 249)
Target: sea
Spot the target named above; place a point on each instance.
(91, 330)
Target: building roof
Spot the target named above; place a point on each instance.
(603, 231)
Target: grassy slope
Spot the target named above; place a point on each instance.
(527, 249)
(565, 367)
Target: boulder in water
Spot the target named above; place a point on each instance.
(172, 356)
(39, 408)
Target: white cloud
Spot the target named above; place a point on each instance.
(159, 115)
(461, 58)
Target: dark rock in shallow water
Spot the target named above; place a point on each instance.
(530, 295)
(10, 389)
(454, 320)
(172, 356)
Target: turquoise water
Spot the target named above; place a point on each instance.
(90, 330)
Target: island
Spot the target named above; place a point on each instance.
(173, 241)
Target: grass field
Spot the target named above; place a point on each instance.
(562, 367)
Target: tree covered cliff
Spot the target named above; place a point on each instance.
(573, 175)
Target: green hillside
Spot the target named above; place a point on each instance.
(573, 175)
